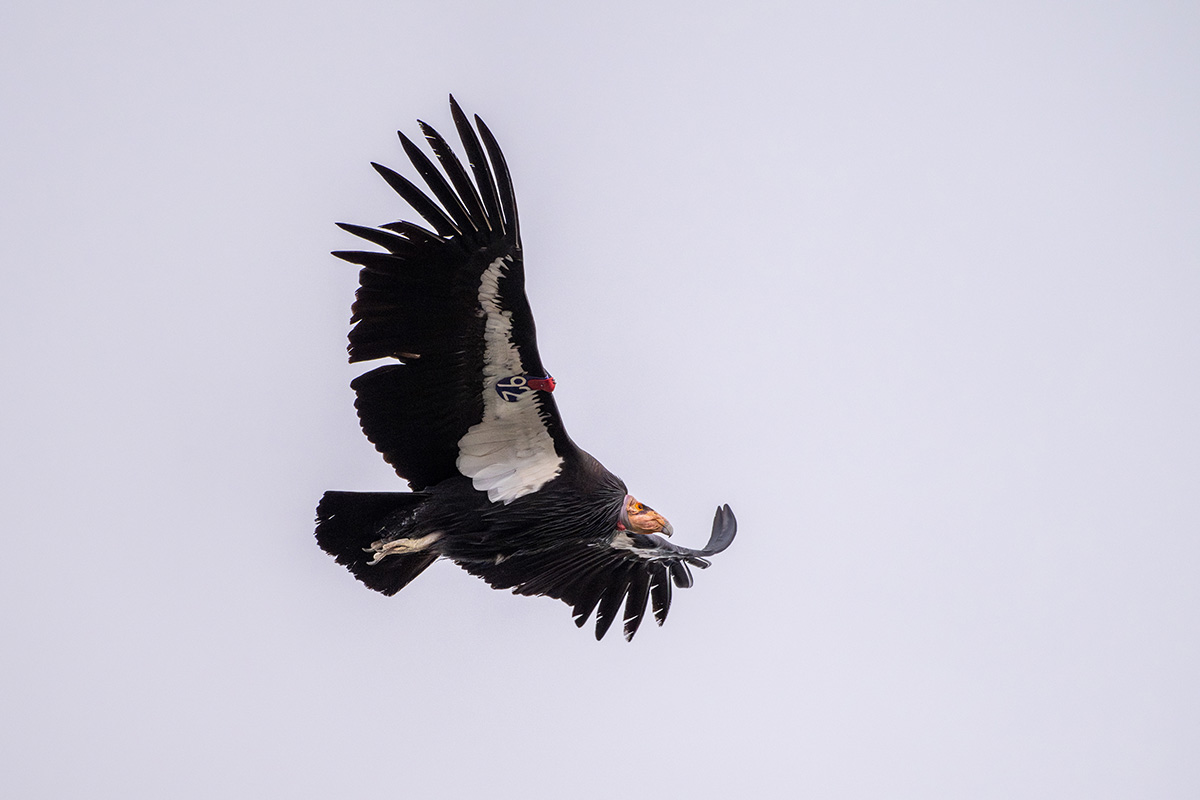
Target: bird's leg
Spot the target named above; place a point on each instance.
(382, 549)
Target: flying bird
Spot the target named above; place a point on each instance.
(466, 415)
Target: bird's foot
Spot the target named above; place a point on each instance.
(383, 549)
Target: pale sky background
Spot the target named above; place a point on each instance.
(915, 287)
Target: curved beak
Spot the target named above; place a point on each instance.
(667, 530)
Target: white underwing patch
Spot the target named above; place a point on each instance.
(509, 453)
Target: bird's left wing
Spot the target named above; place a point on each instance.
(470, 395)
(629, 568)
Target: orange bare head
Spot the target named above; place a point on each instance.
(641, 518)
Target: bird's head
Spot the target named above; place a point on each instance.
(641, 518)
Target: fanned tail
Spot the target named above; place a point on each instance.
(348, 523)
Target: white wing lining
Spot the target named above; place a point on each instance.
(509, 453)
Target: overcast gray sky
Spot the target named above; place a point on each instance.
(912, 286)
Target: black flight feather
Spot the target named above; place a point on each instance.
(635, 603)
(458, 176)
(479, 166)
(610, 601)
(396, 245)
(428, 210)
(504, 186)
(660, 592)
(449, 199)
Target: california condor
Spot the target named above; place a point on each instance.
(468, 418)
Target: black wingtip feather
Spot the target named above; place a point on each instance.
(441, 189)
(660, 592)
(635, 602)
(588, 594)
(394, 243)
(467, 193)
(484, 179)
(681, 575)
(415, 233)
(504, 185)
(412, 195)
(610, 602)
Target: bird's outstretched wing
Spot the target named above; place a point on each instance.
(470, 395)
(629, 568)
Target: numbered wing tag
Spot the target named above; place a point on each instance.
(511, 388)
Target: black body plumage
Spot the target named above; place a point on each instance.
(467, 417)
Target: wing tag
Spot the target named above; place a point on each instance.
(511, 388)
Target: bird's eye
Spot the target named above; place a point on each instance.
(638, 506)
